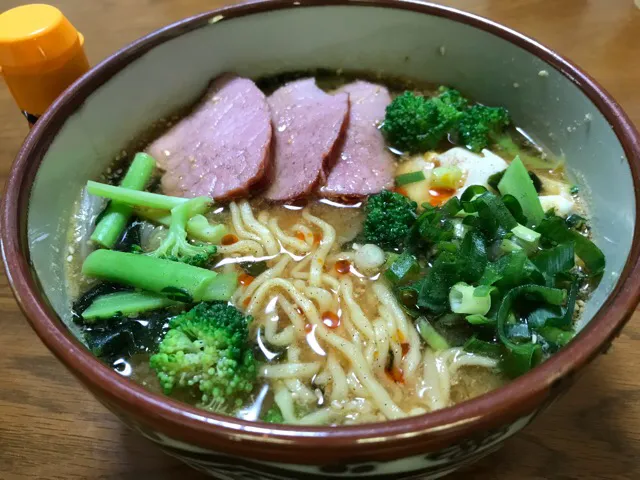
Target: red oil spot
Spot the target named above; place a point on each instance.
(402, 191)
(245, 280)
(440, 195)
(299, 310)
(246, 301)
(405, 349)
(308, 328)
(396, 374)
(317, 238)
(343, 266)
(300, 236)
(330, 320)
(229, 239)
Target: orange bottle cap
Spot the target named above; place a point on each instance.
(35, 34)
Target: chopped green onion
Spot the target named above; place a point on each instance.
(446, 177)
(527, 238)
(560, 258)
(434, 291)
(472, 257)
(517, 182)
(405, 265)
(411, 177)
(477, 319)
(430, 335)
(521, 357)
(555, 229)
(463, 300)
(480, 347)
(556, 336)
(507, 245)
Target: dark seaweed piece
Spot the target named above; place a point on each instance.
(271, 83)
(130, 239)
(123, 337)
(177, 294)
(264, 351)
(496, 177)
(253, 268)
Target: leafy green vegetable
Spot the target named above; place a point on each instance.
(494, 179)
(114, 219)
(516, 182)
(160, 276)
(123, 304)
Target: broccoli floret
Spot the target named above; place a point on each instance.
(480, 124)
(388, 219)
(273, 415)
(206, 352)
(416, 124)
(175, 245)
(452, 97)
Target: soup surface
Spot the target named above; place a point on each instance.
(407, 250)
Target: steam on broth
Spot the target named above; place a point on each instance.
(459, 259)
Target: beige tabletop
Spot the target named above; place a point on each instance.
(51, 428)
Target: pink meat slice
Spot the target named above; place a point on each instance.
(222, 149)
(364, 165)
(308, 124)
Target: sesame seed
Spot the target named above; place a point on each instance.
(70, 258)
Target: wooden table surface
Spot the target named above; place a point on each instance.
(51, 428)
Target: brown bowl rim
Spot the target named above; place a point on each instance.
(295, 444)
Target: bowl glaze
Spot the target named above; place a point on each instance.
(89, 124)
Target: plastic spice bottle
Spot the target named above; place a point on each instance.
(41, 54)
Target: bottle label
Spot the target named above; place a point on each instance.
(31, 118)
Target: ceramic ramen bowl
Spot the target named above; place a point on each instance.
(548, 96)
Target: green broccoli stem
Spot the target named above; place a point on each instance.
(124, 303)
(198, 227)
(117, 214)
(134, 197)
(175, 280)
